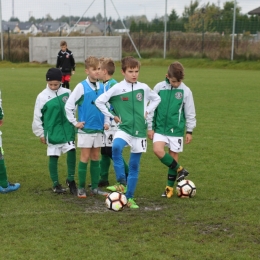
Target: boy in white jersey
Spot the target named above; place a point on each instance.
(175, 113)
(129, 99)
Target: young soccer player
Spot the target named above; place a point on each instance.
(90, 125)
(175, 113)
(53, 128)
(65, 62)
(129, 99)
(5, 185)
(107, 69)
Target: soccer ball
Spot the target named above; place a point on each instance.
(116, 201)
(186, 189)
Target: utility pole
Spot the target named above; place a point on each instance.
(165, 29)
(233, 30)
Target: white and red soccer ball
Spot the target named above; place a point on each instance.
(116, 201)
(186, 189)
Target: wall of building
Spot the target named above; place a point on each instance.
(45, 49)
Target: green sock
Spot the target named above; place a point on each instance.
(172, 174)
(94, 172)
(71, 164)
(126, 169)
(104, 167)
(53, 169)
(82, 173)
(168, 160)
(3, 175)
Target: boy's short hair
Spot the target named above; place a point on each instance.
(176, 70)
(107, 64)
(129, 62)
(91, 62)
(63, 43)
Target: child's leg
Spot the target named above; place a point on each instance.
(71, 164)
(82, 168)
(3, 175)
(134, 164)
(53, 169)
(117, 150)
(106, 154)
(172, 174)
(94, 167)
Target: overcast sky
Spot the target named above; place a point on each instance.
(23, 9)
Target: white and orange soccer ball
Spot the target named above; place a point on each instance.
(116, 201)
(186, 189)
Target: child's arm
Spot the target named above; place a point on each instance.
(37, 124)
(71, 105)
(101, 103)
(190, 114)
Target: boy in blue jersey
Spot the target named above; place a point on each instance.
(90, 124)
(107, 69)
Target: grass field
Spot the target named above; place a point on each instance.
(220, 222)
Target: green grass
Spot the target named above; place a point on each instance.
(220, 222)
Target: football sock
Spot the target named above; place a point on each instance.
(71, 164)
(3, 175)
(104, 167)
(94, 172)
(82, 173)
(53, 169)
(172, 174)
(169, 161)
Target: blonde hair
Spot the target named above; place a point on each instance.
(91, 62)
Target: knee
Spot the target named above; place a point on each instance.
(1, 153)
(158, 152)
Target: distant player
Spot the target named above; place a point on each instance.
(66, 63)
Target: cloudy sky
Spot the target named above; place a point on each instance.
(23, 9)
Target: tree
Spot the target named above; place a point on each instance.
(173, 16)
(14, 19)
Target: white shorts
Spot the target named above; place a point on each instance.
(90, 140)
(137, 144)
(58, 149)
(174, 143)
(109, 137)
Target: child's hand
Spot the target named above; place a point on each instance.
(188, 138)
(42, 140)
(106, 126)
(80, 125)
(150, 134)
(73, 72)
(1, 122)
(117, 119)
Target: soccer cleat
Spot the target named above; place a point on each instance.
(97, 191)
(181, 174)
(10, 187)
(132, 204)
(82, 193)
(72, 186)
(168, 192)
(118, 187)
(58, 189)
(103, 183)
